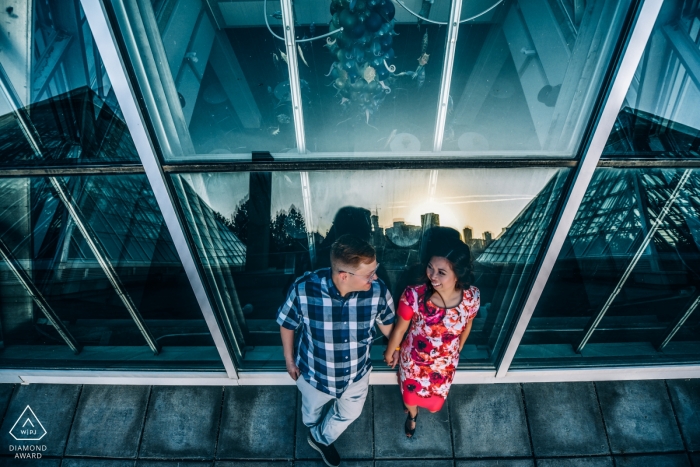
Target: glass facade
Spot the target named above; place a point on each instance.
(90, 279)
(57, 105)
(257, 231)
(525, 76)
(383, 119)
(623, 290)
(660, 116)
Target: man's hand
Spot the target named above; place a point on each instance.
(293, 370)
(391, 357)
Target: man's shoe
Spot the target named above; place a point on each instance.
(328, 453)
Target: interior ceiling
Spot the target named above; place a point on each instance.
(250, 13)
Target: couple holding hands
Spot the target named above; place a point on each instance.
(335, 310)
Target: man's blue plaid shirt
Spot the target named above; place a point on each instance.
(336, 332)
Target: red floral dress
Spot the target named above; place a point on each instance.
(430, 351)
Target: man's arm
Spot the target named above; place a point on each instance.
(386, 329)
(288, 346)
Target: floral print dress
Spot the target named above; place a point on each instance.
(430, 351)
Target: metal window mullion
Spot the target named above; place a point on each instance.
(448, 63)
(635, 47)
(39, 298)
(100, 254)
(293, 67)
(73, 209)
(635, 259)
(106, 44)
(678, 323)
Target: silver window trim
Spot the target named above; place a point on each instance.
(106, 44)
(633, 53)
(281, 378)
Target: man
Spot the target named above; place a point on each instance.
(335, 310)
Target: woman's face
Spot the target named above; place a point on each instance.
(440, 274)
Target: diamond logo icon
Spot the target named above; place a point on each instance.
(28, 427)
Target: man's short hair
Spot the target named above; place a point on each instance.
(351, 251)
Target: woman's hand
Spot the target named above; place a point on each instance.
(391, 357)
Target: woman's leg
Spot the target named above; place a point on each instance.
(413, 413)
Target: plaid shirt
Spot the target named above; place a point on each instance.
(336, 332)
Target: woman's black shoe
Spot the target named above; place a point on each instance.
(328, 453)
(407, 426)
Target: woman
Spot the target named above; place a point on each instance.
(440, 313)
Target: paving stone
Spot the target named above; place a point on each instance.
(685, 396)
(142, 463)
(606, 461)
(67, 462)
(344, 463)
(422, 462)
(565, 419)
(181, 422)
(253, 464)
(695, 459)
(11, 462)
(355, 443)
(5, 394)
(488, 420)
(659, 460)
(497, 463)
(53, 405)
(432, 438)
(257, 422)
(638, 417)
(108, 429)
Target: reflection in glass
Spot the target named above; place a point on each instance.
(60, 240)
(525, 76)
(624, 289)
(526, 79)
(660, 116)
(256, 232)
(52, 76)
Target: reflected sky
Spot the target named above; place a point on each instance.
(483, 199)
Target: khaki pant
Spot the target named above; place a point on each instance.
(327, 424)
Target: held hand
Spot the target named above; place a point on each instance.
(396, 358)
(388, 356)
(391, 357)
(293, 370)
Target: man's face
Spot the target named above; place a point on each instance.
(362, 278)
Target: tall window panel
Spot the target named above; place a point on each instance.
(57, 105)
(90, 278)
(527, 74)
(220, 83)
(625, 288)
(256, 232)
(660, 118)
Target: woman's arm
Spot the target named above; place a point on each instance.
(465, 334)
(397, 334)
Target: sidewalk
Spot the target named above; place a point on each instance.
(629, 423)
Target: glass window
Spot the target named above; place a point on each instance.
(90, 278)
(524, 81)
(625, 288)
(257, 231)
(526, 77)
(54, 91)
(660, 117)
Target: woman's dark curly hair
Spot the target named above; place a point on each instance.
(457, 253)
